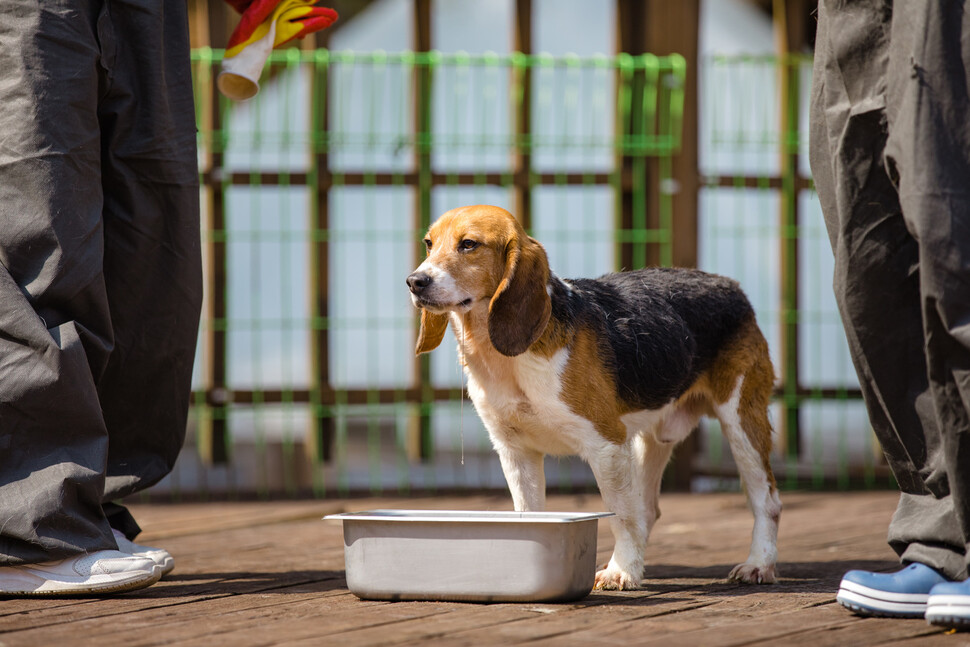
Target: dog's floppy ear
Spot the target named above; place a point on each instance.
(521, 306)
(432, 331)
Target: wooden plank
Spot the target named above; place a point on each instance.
(197, 621)
(499, 623)
(164, 521)
(790, 627)
(681, 629)
(862, 631)
(938, 639)
(208, 580)
(598, 611)
(272, 573)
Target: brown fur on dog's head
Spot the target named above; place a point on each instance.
(482, 252)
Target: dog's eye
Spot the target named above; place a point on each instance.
(467, 245)
(427, 243)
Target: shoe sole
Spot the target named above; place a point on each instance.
(948, 611)
(886, 596)
(167, 566)
(872, 606)
(166, 563)
(162, 558)
(53, 588)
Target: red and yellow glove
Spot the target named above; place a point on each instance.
(293, 19)
(265, 24)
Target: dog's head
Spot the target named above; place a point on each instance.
(478, 256)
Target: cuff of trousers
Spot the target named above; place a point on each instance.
(949, 562)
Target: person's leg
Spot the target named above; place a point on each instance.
(929, 153)
(878, 271)
(930, 150)
(152, 260)
(878, 284)
(55, 330)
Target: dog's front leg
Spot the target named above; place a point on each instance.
(622, 492)
(525, 476)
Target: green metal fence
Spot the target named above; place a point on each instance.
(315, 198)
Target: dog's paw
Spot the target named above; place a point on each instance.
(753, 574)
(615, 580)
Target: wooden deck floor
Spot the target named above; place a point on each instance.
(272, 574)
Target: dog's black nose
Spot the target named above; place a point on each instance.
(418, 282)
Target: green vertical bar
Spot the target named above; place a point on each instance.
(424, 63)
(217, 441)
(670, 84)
(320, 433)
(789, 261)
(640, 113)
(665, 210)
(624, 98)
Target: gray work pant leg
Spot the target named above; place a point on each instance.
(100, 275)
(890, 149)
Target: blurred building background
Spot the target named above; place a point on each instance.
(622, 133)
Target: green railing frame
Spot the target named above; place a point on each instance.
(647, 109)
(648, 124)
(658, 132)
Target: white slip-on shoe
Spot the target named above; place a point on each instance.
(105, 571)
(161, 557)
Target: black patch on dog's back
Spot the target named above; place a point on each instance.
(658, 328)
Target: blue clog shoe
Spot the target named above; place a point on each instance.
(902, 594)
(949, 605)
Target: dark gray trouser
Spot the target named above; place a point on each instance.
(890, 153)
(100, 271)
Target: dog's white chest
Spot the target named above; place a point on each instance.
(520, 403)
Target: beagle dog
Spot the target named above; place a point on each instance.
(616, 370)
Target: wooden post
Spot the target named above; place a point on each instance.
(673, 28)
(789, 18)
(213, 431)
(419, 432)
(321, 434)
(631, 39)
(662, 28)
(522, 83)
(199, 24)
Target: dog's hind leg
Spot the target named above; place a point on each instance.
(744, 421)
(652, 457)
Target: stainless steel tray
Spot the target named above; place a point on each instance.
(470, 556)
